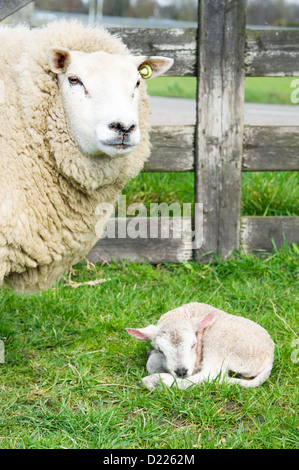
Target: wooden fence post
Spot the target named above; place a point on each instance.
(219, 129)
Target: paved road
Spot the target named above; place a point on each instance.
(176, 111)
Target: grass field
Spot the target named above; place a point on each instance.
(71, 371)
(263, 193)
(275, 90)
(69, 379)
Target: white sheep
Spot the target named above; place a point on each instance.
(196, 342)
(74, 128)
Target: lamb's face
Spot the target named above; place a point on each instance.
(177, 347)
(176, 342)
(100, 93)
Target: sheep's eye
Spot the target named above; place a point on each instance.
(138, 84)
(74, 81)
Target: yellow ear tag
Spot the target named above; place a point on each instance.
(146, 71)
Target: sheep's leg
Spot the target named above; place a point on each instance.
(205, 375)
(253, 381)
(199, 378)
(154, 363)
(153, 380)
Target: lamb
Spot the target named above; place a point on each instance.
(74, 128)
(196, 343)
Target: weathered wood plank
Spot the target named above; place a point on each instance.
(257, 233)
(179, 44)
(145, 239)
(266, 148)
(271, 148)
(172, 149)
(218, 153)
(7, 8)
(272, 52)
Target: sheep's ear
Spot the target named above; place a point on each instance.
(204, 322)
(59, 59)
(143, 333)
(151, 67)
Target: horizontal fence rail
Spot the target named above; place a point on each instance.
(272, 53)
(265, 148)
(258, 234)
(178, 43)
(271, 148)
(171, 241)
(172, 149)
(267, 53)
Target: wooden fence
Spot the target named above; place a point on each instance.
(220, 53)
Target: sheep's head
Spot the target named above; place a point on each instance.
(100, 93)
(176, 342)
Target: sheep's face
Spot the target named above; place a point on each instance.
(177, 348)
(100, 95)
(175, 343)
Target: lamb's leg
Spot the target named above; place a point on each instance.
(205, 375)
(253, 381)
(154, 363)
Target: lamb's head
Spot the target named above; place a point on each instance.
(176, 342)
(100, 93)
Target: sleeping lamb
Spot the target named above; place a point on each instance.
(196, 342)
(74, 128)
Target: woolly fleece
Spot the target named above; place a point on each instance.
(225, 332)
(49, 190)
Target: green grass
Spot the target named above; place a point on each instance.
(275, 90)
(178, 87)
(71, 371)
(270, 193)
(170, 187)
(263, 193)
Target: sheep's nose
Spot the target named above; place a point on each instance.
(121, 128)
(181, 372)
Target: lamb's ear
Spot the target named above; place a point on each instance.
(148, 332)
(204, 322)
(151, 67)
(59, 59)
